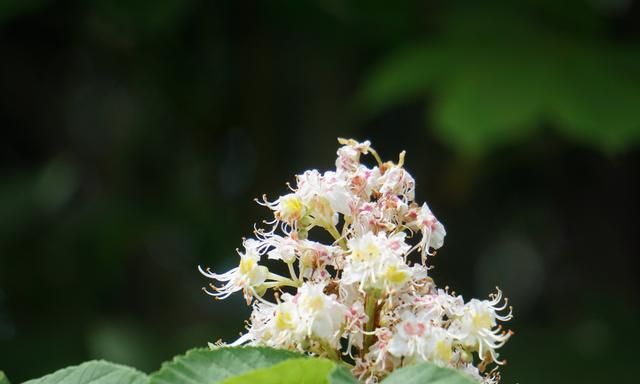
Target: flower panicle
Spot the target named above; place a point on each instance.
(366, 296)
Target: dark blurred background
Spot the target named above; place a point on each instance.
(136, 133)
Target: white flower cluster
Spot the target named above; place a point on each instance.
(363, 297)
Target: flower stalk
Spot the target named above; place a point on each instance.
(370, 307)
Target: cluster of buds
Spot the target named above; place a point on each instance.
(364, 296)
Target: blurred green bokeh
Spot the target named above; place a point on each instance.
(135, 135)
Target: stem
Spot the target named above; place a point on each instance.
(334, 232)
(292, 272)
(283, 280)
(274, 284)
(370, 306)
(345, 226)
(337, 236)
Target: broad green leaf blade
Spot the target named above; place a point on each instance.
(3, 378)
(342, 375)
(294, 371)
(203, 366)
(93, 372)
(426, 373)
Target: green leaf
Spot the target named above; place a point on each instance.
(427, 373)
(143, 17)
(342, 375)
(3, 378)
(13, 8)
(294, 371)
(489, 103)
(203, 366)
(493, 87)
(93, 372)
(597, 99)
(406, 74)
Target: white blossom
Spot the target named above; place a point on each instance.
(246, 276)
(476, 327)
(364, 289)
(410, 337)
(321, 315)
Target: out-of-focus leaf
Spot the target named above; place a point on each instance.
(55, 184)
(496, 86)
(146, 17)
(597, 100)
(405, 74)
(3, 378)
(427, 373)
(12, 8)
(202, 366)
(126, 342)
(488, 103)
(294, 371)
(93, 372)
(25, 195)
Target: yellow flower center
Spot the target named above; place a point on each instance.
(314, 303)
(284, 320)
(368, 253)
(246, 265)
(443, 351)
(291, 207)
(395, 276)
(481, 321)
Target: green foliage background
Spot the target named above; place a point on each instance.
(135, 134)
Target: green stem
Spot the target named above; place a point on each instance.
(292, 271)
(370, 306)
(337, 236)
(281, 280)
(275, 284)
